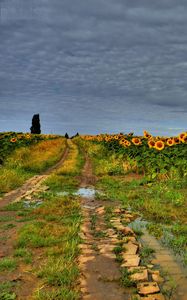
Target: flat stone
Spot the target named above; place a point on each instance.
(139, 274)
(131, 260)
(146, 288)
(100, 210)
(106, 248)
(130, 248)
(156, 277)
(127, 231)
(132, 239)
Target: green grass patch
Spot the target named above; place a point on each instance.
(7, 264)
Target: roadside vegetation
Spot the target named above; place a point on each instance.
(27, 161)
(150, 181)
(47, 238)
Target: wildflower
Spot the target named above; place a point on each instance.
(170, 142)
(136, 141)
(13, 140)
(159, 145)
(151, 143)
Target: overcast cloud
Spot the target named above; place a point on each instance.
(94, 65)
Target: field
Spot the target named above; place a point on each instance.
(93, 217)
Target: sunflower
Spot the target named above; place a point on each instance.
(136, 141)
(13, 140)
(147, 135)
(177, 141)
(28, 136)
(170, 142)
(159, 145)
(127, 144)
(151, 143)
(181, 136)
(184, 139)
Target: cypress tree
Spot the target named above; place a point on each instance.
(35, 128)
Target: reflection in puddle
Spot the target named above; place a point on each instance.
(33, 204)
(86, 192)
(83, 192)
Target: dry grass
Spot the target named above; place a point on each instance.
(28, 161)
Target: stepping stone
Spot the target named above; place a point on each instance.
(139, 274)
(130, 248)
(127, 231)
(156, 277)
(100, 210)
(131, 260)
(106, 248)
(147, 288)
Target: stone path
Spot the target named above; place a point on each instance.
(101, 274)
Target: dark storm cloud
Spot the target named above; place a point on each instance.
(94, 65)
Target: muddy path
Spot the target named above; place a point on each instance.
(100, 272)
(33, 183)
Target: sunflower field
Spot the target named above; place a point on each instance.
(10, 141)
(155, 156)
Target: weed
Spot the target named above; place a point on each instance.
(125, 278)
(7, 264)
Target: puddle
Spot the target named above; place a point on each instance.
(32, 204)
(83, 192)
(86, 192)
(165, 259)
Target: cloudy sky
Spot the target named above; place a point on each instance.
(94, 65)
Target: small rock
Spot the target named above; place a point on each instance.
(130, 248)
(127, 231)
(156, 277)
(117, 211)
(100, 210)
(148, 288)
(139, 274)
(131, 261)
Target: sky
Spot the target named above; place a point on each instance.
(93, 66)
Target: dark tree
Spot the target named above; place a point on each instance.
(66, 136)
(35, 128)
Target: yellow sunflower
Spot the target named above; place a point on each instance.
(181, 136)
(159, 145)
(136, 141)
(151, 143)
(13, 140)
(170, 142)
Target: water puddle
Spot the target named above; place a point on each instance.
(83, 192)
(86, 192)
(165, 259)
(32, 204)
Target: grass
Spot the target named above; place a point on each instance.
(60, 294)
(28, 161)
(125, 280)
(146, 254)
(7, 264)
(6, 291)
(52, 228)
